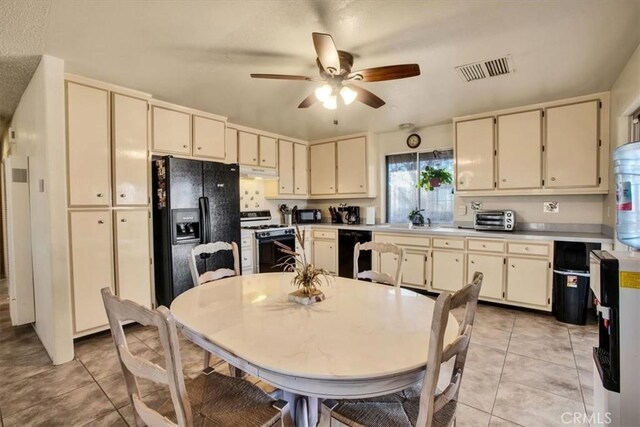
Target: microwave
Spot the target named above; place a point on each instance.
(307, 216)
(494, 220)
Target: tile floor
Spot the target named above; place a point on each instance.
(523, 368)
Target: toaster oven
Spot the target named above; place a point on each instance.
(495, 220)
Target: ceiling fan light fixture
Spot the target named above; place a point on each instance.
(323, 93)
(331, 103)
(348, 95)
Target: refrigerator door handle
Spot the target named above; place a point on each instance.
(205, 220)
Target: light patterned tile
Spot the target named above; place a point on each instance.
(44, 386)
(586, 383)
(466, 416)
(76, 407)
(546, 376)
(532, 407)
(556, 350)
(102, 365)
(499, 422)
(490, 337)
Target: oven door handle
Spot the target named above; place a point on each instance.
(205, 220)
(276, 239)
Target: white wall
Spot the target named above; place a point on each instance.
(625, 99)
(40, 135)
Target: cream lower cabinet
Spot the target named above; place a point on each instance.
(91, 266)
(246, 254)
(133, 256)
(528, 281)
(415, 271)
(447, 270)
(492, 268)
(325, 253)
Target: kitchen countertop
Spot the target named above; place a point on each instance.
(463, 232)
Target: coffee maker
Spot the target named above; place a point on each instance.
(348, 215)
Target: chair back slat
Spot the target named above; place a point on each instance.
(118, 312)
(430, 402)
(142, 368)
(150, 417)
(376, 276)
(210, 249)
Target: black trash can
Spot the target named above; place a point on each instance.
(571, 295)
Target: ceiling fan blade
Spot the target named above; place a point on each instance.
(308, 101)
(390, 72)
(327, 52)
(283, 77)
(367, 97)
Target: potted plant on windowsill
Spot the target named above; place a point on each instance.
(432, 177)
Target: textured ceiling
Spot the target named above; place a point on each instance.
(200, 53)
(22, 29)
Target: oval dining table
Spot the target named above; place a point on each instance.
(363, 340)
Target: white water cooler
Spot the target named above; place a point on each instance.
(615, 280)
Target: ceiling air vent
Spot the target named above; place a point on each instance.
(483, 69)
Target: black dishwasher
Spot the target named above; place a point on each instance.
(347, 239)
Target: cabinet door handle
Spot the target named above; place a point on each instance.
(484, 246)
(457, 260)
(199, 148)
(553, 178)
(513, 266)
(123, 220)
(446, 243)
(526, 248)
(123, 195)
(100, 221)
(504, 179)
(185, 146)
(472, 262)
(99, 194)
(254, 159)
(362, 186)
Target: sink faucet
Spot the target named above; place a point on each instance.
(428, 222)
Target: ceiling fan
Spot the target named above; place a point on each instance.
(335, 70)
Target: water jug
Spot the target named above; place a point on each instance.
(626, 161)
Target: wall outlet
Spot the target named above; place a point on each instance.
(551, 207)
(462, 209)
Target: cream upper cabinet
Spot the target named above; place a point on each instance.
(91, 266)
(267, 151)
(324, 255)
(414, 268)
(130, 167)
(572, 145)
(352, 165)
(519, 150)
(447, 271)
(474, 152)
(323, 168)
(171, 131)
(247, 148)
(88, 145)
(285, 167)
(492, 268)
(133, 256)
(231, 144)
(527, 281)
(208, 138)
(300, 168)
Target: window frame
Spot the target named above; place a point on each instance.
(417, 190)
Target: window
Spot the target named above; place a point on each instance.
(634, 129)
(403, 196)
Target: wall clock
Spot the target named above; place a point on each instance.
(413, 140)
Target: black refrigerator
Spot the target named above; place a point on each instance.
(194, 202)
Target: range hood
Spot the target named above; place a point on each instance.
(258, 172)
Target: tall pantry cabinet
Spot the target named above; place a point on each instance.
(108, 200)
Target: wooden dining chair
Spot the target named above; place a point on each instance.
(422, 405)
(209, 399)
(210, 249)
(377, 276)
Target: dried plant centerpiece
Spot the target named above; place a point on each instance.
(307, 278)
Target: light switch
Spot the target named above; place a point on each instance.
(462, 209)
